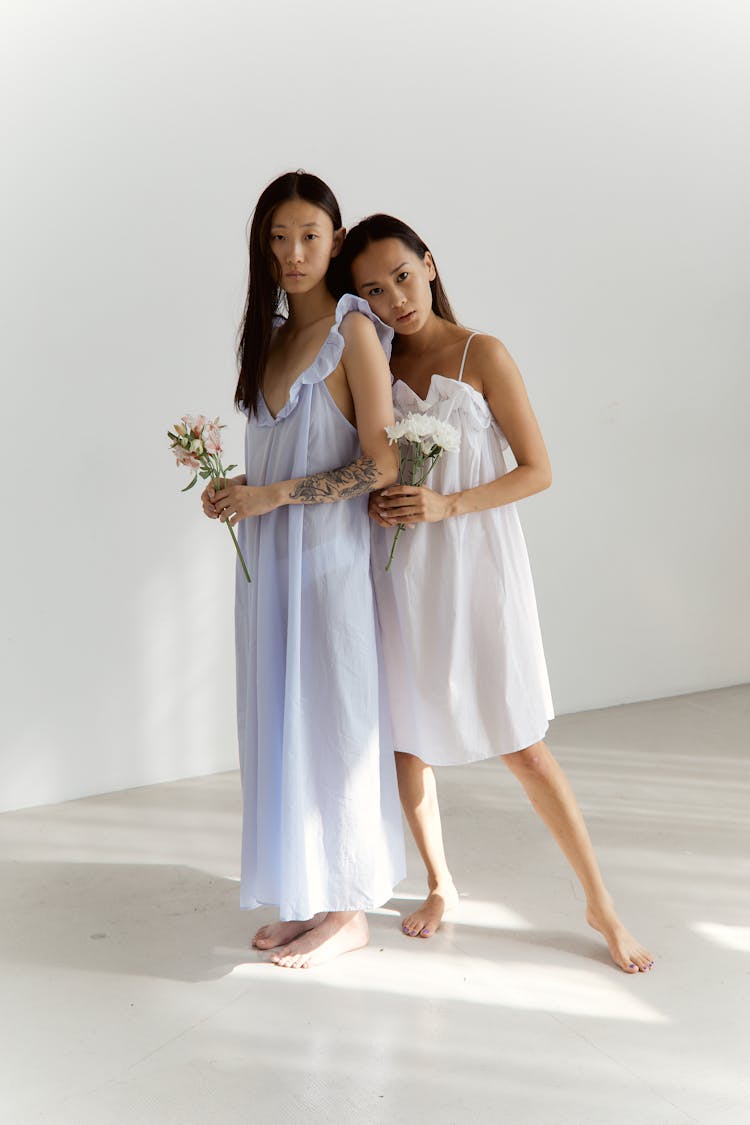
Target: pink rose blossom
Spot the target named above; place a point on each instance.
(212, 438)
(195, 423)
(185, 457)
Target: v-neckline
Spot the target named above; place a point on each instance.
(436, 375)
(292, 386)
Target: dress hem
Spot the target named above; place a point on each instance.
(294, 916)
(482, 757)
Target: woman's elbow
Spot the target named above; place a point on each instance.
(545, 478)
(540, 477)
(388, 473)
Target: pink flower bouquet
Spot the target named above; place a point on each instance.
(196, 443)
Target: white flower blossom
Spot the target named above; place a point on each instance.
(426, 431)
(445, 435)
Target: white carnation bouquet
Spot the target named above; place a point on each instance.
(422, 439)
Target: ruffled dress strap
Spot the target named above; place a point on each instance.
(329, 356)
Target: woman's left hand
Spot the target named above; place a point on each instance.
(404, 503)
(237, 502)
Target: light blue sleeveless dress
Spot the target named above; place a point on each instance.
(321, 817)
(466, 672)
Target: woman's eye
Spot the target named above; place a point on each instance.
(402, 276)
(375, 292)
(311, 235)
(277, 237)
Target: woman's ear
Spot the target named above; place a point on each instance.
(338, 241)
(431, 271)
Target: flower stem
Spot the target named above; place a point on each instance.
(419, 475)
(239, 552)
(401, 527)
(218, 475)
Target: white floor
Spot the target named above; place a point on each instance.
(129, 995)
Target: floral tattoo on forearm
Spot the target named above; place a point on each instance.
(356, 479)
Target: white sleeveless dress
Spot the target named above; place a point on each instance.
(321, 816)
(460, 632)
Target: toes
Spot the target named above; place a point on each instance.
(292, 962)
(415, 927)
(643, 959)
(636, 963)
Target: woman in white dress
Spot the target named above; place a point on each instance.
(465, 667)
(322, 835)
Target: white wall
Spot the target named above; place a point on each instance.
(579, 170)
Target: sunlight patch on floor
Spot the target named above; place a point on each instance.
(526, 986)
(728, 937)
(469, 912)
(489, 915)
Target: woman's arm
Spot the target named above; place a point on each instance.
(503, 387)
(369, 381)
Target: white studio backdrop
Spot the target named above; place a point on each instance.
(580, 171)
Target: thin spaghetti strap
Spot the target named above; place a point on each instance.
(463, 360)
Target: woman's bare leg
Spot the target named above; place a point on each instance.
(550, 793)
(418, 793)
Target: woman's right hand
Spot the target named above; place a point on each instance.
(207, 501)
(374, 509)
(207, 496)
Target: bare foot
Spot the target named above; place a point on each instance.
(279, 933)
(427, 918)
(341, 932)
(624, 949)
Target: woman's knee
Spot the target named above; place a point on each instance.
(532, 761)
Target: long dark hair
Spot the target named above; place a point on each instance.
(376, 228)
(265, 298)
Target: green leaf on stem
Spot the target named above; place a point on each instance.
(189, 486)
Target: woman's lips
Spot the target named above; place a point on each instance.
(406, 317)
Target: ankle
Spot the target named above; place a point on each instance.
(443, 883)
(600, 903)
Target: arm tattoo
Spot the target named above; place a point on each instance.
(356, 479)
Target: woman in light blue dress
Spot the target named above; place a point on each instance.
(322, 835)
